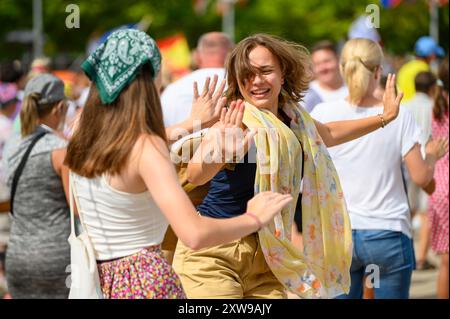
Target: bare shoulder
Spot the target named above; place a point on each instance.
(151, 143)
(154, 161)
(150, 148)
(58, 156)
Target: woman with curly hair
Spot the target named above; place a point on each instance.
(269, 74)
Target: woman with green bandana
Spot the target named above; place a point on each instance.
(269, 73)
(123, 180)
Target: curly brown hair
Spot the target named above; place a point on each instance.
(294, 60)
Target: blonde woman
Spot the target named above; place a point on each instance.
(268, 73)
(38, 252)
(370, 172)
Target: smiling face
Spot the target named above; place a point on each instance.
(262, 89)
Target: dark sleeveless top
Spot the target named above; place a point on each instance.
(229, 191)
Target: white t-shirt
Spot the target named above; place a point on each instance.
(369, 168)
(176, 100)
(421, 107)
(316, 94)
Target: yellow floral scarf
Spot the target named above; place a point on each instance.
(322, 270)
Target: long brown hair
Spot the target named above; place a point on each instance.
(294, 60)
(441, 103)
(106, 134)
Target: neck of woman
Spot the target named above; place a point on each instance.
(368, 100)
(273, 109)
(50, 122)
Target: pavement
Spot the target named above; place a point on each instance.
(423, 285)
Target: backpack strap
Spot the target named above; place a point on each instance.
(21, 166)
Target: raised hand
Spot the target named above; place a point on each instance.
(391, 100)
(206, 107)
(266, 205)
(437, 148)
(229, 133)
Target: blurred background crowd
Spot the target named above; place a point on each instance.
(35, 38)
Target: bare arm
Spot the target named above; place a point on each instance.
(62, 171)
(194, 230)
(421, 170)
(203, 167)
(335, 133)
(5, 207)
(176, 132)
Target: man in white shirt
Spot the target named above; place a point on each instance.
(328, 85)
(210, 55)
(421, 107)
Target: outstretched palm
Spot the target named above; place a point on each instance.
(229, 134)
(206, 107)
(391, 100)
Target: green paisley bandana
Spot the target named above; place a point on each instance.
(115, 63)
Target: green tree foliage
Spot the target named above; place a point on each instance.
(304, 21)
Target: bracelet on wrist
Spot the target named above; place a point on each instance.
(383, 121)
(258, 221)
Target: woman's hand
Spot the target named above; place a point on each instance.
(225, 142)
(206, 107)
(430, 188)
(266, 205)
(391, 100)
(229, 134)
(437, 148)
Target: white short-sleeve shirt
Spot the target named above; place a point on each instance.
(369, 167)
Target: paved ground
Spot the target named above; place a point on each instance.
(423, 284)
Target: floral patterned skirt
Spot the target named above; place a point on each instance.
(144, 275)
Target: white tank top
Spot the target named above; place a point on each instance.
(119, 224)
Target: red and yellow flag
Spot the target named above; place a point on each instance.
(176, 56)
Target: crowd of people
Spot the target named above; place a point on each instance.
(267, 171)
